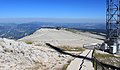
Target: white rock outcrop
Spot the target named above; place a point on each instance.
(21, 56)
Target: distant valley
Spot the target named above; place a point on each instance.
(17, 31)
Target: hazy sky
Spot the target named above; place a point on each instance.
(75, 9)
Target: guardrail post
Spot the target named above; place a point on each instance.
(93, 62)
(96, 65)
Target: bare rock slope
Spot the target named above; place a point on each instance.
(17, 55)
(62, 38)
(21, 56)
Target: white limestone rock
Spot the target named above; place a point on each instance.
(21, 56)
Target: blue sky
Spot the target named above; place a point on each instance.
(75, 9)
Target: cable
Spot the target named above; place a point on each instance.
(83, 60)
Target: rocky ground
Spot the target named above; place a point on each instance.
(62, 38)
(21, 56)
(31, 52)
(107, 58)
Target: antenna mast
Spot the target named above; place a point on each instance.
(113, 23)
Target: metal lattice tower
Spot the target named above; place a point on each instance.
(113, 21)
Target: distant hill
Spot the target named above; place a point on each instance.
(17, 31)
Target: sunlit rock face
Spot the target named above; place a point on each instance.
(21, 56)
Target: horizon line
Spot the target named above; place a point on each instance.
(54, 20)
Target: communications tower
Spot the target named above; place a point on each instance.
(113, 24)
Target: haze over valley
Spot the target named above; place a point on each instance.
(19, 30)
